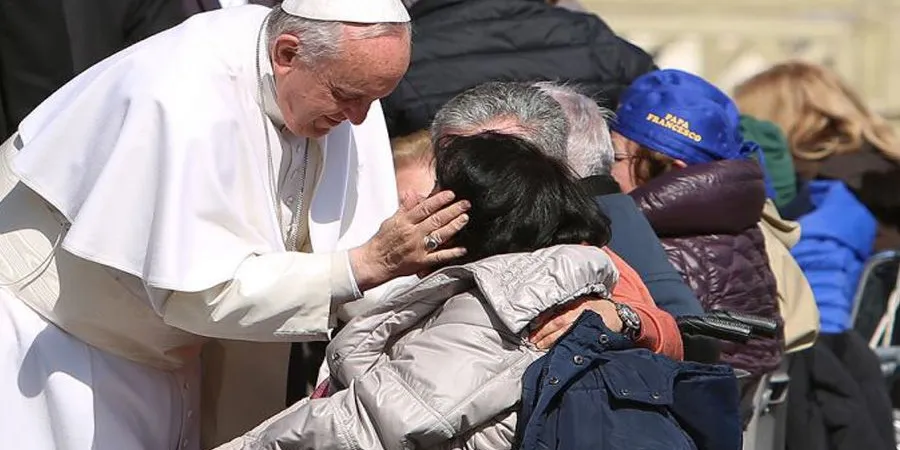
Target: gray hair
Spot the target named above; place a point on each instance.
(589, 148)
(322, 39)
(539, 119)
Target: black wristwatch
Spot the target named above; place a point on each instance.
(631, 321)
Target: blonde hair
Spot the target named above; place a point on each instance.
(820, 114)
(412, 148)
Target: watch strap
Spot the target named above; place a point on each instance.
(631, 321)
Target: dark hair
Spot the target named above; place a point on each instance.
(522, 200)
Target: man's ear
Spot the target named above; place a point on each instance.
(284, 51)
(679, 164)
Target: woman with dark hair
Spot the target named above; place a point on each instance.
(439, 364)
(525, 200)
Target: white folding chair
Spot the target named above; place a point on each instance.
(767, 428)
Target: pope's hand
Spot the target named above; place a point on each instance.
(552, 325)
(399, 248)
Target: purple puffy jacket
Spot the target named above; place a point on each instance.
(706, 217)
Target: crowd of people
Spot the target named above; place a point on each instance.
(460, 224)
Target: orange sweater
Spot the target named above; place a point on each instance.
(659, 332)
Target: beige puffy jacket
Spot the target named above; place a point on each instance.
(439, 365)
(795, 297)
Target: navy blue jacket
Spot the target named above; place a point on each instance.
(592, 390)
(635, 241)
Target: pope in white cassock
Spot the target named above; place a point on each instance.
(228, 178)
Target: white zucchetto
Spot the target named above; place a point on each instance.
(356, 11)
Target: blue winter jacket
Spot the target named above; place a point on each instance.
(836, 239)
(593, 391)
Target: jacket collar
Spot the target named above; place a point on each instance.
(721, 197)
(520, 287)
(599, 185)
(800, 205)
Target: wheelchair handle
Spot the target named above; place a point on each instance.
(759, 327)
(728, 326)
(714, 327)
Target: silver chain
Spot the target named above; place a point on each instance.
(294, 229)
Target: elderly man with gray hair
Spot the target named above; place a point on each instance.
(569, 125)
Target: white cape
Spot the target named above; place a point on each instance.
(157, 158)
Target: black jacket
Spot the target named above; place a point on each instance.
(838, 398)
(458, 44)
(45, 43)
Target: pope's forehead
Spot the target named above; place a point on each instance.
(378, 59)
(356, 45)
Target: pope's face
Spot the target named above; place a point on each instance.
(315, 98)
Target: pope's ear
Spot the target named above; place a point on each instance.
(284, 51)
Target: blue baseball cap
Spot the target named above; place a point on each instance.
(682, 116)
(686, 81)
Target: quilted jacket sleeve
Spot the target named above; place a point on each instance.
(407, 403)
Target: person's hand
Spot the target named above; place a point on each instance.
(551, 326)
(399, 247)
